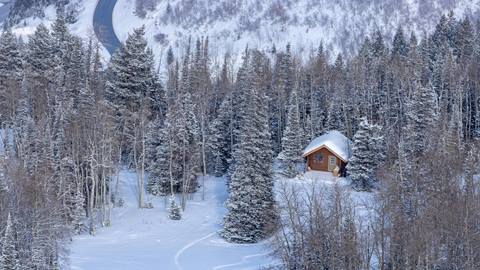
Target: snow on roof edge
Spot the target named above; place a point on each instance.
(334, 140)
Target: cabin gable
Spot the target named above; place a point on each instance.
(324, 159)
(329, 152)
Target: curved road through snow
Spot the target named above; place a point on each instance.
(103, 25)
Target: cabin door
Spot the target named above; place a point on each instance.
(332, 163)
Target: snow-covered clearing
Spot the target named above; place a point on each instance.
(148, 239)
(362, 202)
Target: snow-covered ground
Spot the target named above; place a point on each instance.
(362, 201)
(148, 239)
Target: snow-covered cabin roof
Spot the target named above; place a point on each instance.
(334, 141)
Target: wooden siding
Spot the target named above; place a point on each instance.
(314, 163)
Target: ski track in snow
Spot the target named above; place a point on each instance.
(242, 262)
(187, 246)
(146, 239)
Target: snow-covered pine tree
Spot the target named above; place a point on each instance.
(10, 74)
(293, 138)
(130, 82)
(265, 184)
(283, 85)
(77, 209)
(239, 104)
(367, 154)
(421, 117)
(404, 172)
(174, 211)
(162, 168)
(9, 256)
(400, 46)
(41, 69)
(336, 109)
(177, 154)
(126, 92)
(251, 187)
(220, 140)
(74, 66)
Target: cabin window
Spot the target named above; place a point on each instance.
(318, 158)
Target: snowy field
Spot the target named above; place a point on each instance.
(148, 239)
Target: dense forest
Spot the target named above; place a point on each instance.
(410, 105)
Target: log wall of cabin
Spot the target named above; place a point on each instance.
(314, 164)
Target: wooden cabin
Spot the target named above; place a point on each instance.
(329, 153)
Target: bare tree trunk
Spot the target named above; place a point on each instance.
(204, 163)
(117, 176)
(184, 178)
(92, 196)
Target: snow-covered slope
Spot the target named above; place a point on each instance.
(232, 24)
(82, 27)
(142, 239)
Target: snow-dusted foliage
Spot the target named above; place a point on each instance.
(293, 138)
(367, 155)
(250, 203)
(9, 254)
(174, 211)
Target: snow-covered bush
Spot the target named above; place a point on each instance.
(174, 211)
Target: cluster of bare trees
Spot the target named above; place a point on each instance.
(59, 154)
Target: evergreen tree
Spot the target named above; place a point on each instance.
(292, 141)
(174, 211)
(421, 118)
(130, 80)
(162, 167)
(10, 74)
(283, 86)
(177, 155)
(220, 141)
(9, 257)
(42, 72)
(251, 189)
(400, 46)
(77, 211)
(367, 154)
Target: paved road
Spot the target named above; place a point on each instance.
(103, 26)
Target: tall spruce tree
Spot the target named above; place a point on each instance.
(220, 140)
(421, 118)
(292, 141)
(10, 75)
(251, 189)
(367, 155)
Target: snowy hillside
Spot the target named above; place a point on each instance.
(83, 26)
(231, 25)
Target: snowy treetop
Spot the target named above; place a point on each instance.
(334, 140)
